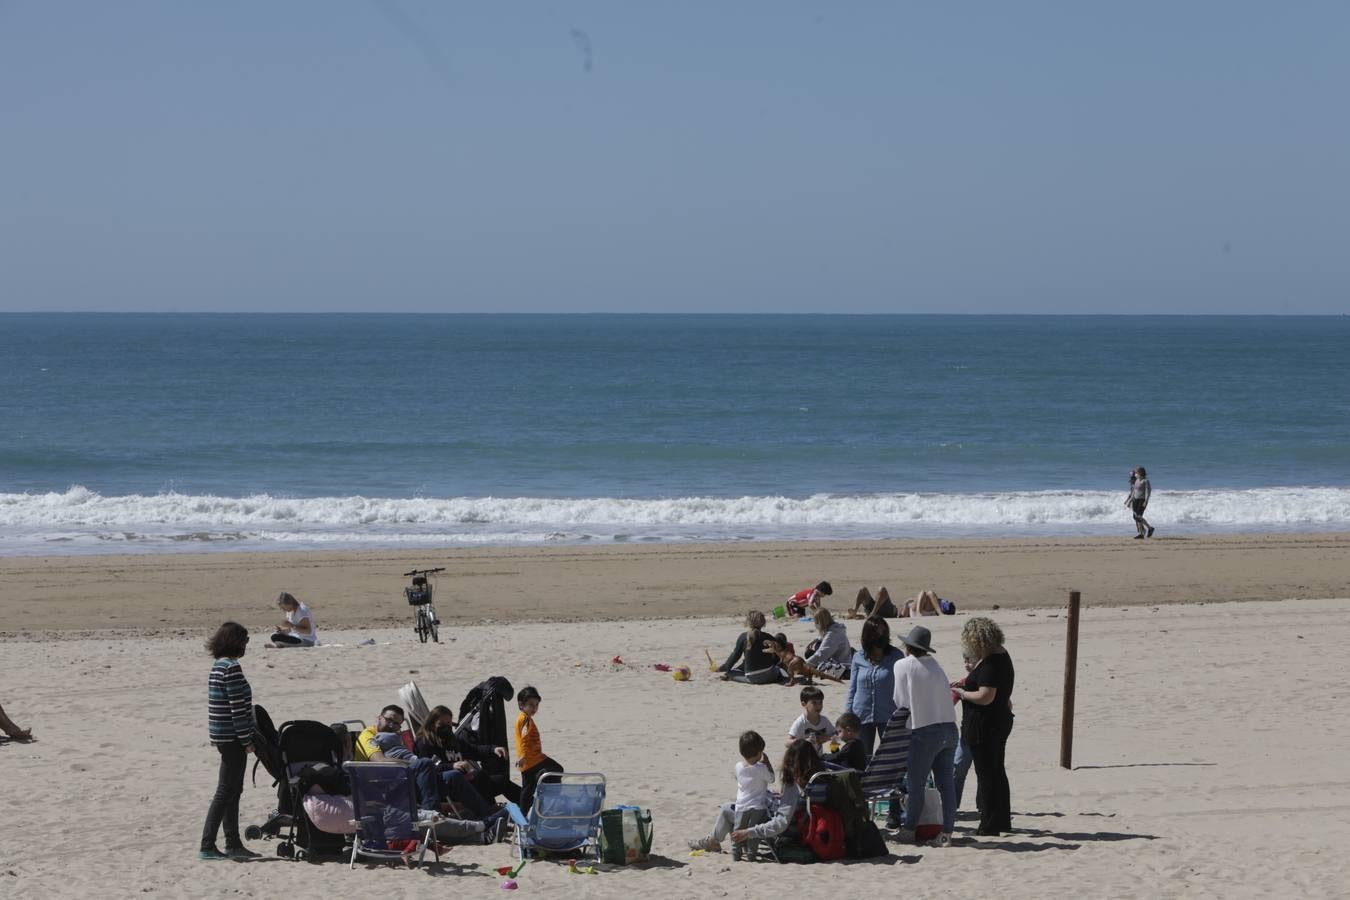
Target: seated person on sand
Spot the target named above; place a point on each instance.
(12, 731)
(757, 666)
(298, 630)
(462, 761)
(926, 604)
(864, 606)
(328, 804)
(807, 599)
(831, 653)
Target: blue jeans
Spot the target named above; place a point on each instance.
(428, 782)
(460, 789)
(962, 767)
(932, 748)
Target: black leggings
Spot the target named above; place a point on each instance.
(992, 793)
(225, 804)
(530, 778)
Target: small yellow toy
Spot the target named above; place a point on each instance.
(681, 673)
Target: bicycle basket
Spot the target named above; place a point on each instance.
(417, 596)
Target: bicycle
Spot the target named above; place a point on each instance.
(418, 595)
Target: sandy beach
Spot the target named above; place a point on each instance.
(1206, 761)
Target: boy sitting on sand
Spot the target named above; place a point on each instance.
(754, 775)
(811, 725)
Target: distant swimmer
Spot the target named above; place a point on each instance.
(1137, 501)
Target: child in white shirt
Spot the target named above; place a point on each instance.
(753, 777)
(811, 725)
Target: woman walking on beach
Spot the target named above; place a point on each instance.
(987, 720)
(1137, 501)
(871, 683)
(229, 701)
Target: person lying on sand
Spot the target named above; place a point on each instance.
(864, 606)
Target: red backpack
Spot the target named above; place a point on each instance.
(823, 832)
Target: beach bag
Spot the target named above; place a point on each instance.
(930, 820)
(788, 849)
(822, 832)
(948, 607)
(867, 842)
(625, 835)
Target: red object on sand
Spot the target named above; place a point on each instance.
(618, 660)
(661, 667)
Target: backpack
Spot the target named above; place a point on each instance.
(822, 832)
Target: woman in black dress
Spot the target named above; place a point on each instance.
(987, 719)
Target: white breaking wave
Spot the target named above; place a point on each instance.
(79, 517)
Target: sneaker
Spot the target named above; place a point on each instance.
(1138, 537)
(241, 852)
(1149, 533)
(707, 844)
(942, 840)
(211, 853)
(904, 835)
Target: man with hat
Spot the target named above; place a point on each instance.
(925, 690)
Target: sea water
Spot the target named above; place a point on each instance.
(158, 432)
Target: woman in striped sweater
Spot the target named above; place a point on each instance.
(230, 708)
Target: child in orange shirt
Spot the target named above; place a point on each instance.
(529, 750)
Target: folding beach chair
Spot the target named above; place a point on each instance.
(565, 817)
(384, 803)
(884, 776)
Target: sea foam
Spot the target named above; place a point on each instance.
(79, 519)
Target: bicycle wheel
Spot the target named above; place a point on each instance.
(435, 624)
(422, 630)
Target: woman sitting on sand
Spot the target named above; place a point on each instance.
(830, 654)
(760, 666)
(299, 629)
(865, 606)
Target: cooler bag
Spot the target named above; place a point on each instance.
(625, 835)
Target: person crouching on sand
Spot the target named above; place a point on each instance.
(298, 630)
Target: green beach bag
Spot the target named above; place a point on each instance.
(625, 835)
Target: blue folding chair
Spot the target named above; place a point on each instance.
(565, 817)
(384, 804)
(884, 776)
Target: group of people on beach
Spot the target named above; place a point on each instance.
(455, 778)
(888, 687)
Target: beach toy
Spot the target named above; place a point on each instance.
(618, 660)
(697, 852)
(585, 870)
(512, 871)
(661, 667)
(509, 884)
(779, 612)
(681, 673)
(712, 666)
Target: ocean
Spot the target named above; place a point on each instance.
(149, 432)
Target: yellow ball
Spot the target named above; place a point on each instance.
(681, 673)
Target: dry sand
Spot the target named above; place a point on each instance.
(1210, 745)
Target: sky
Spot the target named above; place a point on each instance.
(407, 155)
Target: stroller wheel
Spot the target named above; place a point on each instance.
(285, 850)
(253, 833)
(301, 855)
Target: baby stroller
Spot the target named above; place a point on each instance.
(303, 744)
(482, 720)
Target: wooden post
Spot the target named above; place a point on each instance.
(1070, 682)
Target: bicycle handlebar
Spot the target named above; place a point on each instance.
(423, 572)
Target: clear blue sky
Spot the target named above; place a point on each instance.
(357, 155)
